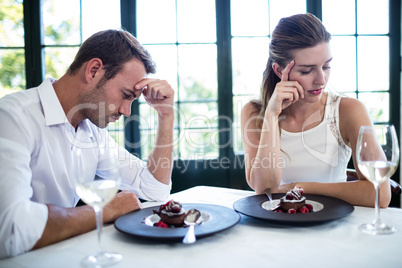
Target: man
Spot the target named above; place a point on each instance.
(43, 126)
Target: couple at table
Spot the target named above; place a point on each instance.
(37, 206)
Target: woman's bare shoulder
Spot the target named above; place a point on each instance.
(353, 114)
(250, 108)
(349, 105)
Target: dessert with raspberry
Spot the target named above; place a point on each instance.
(171, 213)
(293, 200)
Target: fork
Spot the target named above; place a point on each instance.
(268, 194)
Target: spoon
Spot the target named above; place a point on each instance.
(193, 217)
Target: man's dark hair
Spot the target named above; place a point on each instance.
(114, 48)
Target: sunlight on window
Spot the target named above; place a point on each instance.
(251, 29)
(63, 35)
(153, 30)
(61, 27)
(181, 37)
(11, 26)
(377, 104)
(184, 50)
(284, 8)
(12, 55)
(360, 44)
(165, 58)
(331, 12)
(64, 32)
(196, 21)
(343, 65)
(248, 67)
(370, 76)
(249, 20)
(98, 15)
(370, 16)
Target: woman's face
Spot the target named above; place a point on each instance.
(312, 69)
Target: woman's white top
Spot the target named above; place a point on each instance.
(318, 154)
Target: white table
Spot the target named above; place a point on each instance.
(251, 243)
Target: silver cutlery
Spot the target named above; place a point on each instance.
(269, 195)
(193, 217)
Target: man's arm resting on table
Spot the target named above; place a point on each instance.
(63, 223)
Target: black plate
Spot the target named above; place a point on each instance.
(333, 209)
(221, 218)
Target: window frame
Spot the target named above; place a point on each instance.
(233, 175)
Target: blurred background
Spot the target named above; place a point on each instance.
(213, 53)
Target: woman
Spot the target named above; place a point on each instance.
(297, 134)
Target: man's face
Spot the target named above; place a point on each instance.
(110, 99)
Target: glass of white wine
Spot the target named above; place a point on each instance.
(377, 155)
(97, 193)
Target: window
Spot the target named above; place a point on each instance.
(12, 55)
(360, 47)
(66, 24)
(184, 49)
(243, 30)
(250, 41)
(213, 53)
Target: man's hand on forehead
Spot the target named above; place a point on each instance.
(140, 86)
(155, 89)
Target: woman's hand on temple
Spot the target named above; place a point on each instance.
(286, 92)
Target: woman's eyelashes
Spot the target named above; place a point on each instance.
(306, 72)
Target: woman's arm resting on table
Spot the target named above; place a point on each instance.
(259, 150)
(352, 115)
(262, 145)
(357, 193)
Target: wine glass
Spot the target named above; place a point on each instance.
(377, 158)
(97, 193)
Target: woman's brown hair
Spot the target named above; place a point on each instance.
(292, 33)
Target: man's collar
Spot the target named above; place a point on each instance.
(52, 109)
(54, 113)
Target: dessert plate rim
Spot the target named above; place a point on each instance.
(221, 218)
(333, 209)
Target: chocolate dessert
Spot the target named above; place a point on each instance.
(293, 199)
(171, 213)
